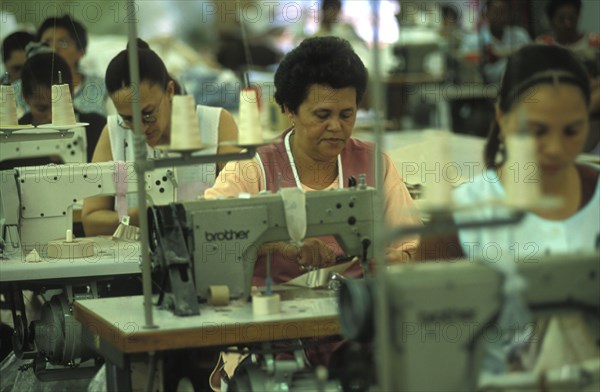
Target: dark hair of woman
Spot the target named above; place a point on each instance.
(15, 41)
(530, 66)
(320, 60)
(41, 71)
(554, 5)
(152, 69)
(76, 30)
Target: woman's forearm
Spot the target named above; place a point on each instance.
(105, 222)
(280, 248)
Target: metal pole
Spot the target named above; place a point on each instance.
(139, 147)
(382, 323)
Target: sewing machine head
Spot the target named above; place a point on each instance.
(223, 236)
(442, 315)
(36, 202)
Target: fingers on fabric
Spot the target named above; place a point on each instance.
(315, 253)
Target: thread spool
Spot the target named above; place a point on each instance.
(8, 107)
(521, 173)
(438, 193)
(185, 132)
(62, 105)
(218, 295)
(263, 305)
(250, 131)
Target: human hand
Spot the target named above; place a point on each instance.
(314, 253)
(396, 256)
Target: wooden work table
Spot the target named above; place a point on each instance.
(120, 322)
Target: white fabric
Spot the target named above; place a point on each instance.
(533, 237)
(294, 204)
(505, 247)
(191, 180)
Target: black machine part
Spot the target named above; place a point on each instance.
(170, 253)
(356, 299)
(57, 335)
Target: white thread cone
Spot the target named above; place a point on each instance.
(62, 105)
(185, 132)
(521, 172)
(521, 178)
(438, 190)
(8, 106)
(250, 129)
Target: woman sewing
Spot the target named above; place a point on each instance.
(318, 86)
(552, 95)
(156, 91)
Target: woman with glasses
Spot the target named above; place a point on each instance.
(156, 91)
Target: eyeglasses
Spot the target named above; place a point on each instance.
(59, 43)
(147, 118)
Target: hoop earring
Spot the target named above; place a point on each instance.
(500, 157)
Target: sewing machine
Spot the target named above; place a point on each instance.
(36, 202)
(70, 147)
(216, 241)
(442, 315)
(36, 206)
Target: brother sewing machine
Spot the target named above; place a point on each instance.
(216, 241)
(441, 315)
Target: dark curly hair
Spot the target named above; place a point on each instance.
(75, 29)
(522, 74)
(320, 60)
(554, 5)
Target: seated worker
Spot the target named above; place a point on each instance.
(558, 119)
(564, 19)
(68, 38)
(496, 40)
(332, 25)
(156, 92)
(40, 72)
(13, 53)
(318, 85)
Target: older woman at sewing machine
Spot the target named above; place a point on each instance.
(318, 86)
(116, 143)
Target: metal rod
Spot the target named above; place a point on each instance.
(246, 45)
(188, 159)
(140, 152)
(382, 317)
(451, 227)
